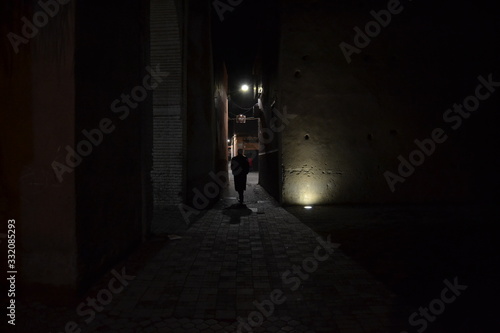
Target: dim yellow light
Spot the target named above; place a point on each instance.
(310, 192)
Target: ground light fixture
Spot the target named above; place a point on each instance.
(308, 207)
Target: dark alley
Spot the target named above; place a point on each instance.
(249, 166)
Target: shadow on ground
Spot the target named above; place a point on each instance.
(413, 249)
(235, 212)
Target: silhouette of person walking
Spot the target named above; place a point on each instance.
(240, 168)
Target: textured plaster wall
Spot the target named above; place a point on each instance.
(205, 123)
(37, 87)
(266, 74)
(360, 117)
(221, 110)
(111, 59)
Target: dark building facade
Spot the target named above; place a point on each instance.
(108, 116)
(387, 102)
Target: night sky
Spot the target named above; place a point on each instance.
(236, 39)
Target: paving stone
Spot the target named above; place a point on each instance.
(217, 270)
(202, 326)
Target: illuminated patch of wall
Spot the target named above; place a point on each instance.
(311, 185)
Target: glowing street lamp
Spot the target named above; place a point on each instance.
(243, 89)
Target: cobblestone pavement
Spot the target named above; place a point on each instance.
(234, 270)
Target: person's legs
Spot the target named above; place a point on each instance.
(241, 196)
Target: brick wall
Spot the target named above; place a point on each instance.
(168, 144)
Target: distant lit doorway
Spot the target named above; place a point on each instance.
(245, 136)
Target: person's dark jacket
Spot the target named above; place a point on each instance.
(240, 168)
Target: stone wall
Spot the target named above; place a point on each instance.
(202, 134)
(37, 88)
(266, 72)
(354, 118)
(114, 86)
